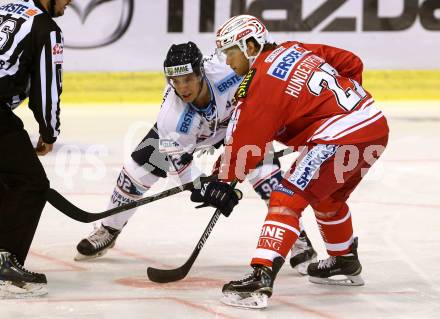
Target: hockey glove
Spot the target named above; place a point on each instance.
(218, 194)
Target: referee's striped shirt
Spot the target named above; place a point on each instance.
(31, 59)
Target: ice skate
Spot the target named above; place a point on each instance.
(254, 290)
(97, 243)
(338, 270)
(302, 254)
(16, 281)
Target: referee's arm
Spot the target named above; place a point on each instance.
(46, 84)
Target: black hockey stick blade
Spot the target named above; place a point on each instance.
(67, 208)
(170, 275)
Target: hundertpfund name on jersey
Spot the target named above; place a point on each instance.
(301, 75)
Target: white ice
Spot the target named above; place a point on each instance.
(396, 214)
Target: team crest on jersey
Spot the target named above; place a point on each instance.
(57, 53)
(245, 84)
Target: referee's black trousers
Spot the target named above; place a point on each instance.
(23, 184)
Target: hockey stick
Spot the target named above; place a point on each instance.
(67, 208)
(170, 275)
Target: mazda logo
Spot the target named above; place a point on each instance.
(122, 20)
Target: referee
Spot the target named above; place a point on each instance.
(31, 59)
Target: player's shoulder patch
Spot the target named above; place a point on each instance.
(57, 53)
(245, 84)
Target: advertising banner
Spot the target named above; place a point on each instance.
(134, 35)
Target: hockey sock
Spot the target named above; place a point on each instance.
(278, 234)
(337, 232)
(265, 178)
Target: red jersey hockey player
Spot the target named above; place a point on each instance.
(310, 98)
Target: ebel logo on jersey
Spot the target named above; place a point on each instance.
(310, 164)
(57, 53)
(84, 33)
(283, 64)
(230, 80)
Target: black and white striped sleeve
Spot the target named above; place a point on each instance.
(46, 85)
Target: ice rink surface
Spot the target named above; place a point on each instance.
(396, 214)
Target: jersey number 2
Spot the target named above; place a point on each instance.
(347, 99)
(6, 28)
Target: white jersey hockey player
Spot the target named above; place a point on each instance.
(195, 112)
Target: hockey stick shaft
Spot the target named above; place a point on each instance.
(67, 208)
(170, 275)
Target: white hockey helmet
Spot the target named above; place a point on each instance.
(237, 30)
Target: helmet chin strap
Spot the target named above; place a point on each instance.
(252, 59)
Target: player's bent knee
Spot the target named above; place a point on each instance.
(284, 200)
(130, 184)
(283, 210)
(139, 176)
(329, 208)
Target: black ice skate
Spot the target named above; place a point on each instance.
(254, 289)
(16, 281)
(302, 254)
(97, 243)
(339, 270)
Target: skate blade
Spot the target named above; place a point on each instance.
(30, 290)
(81, 257)
(302, 268)
(341, 281)
(248, 301)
